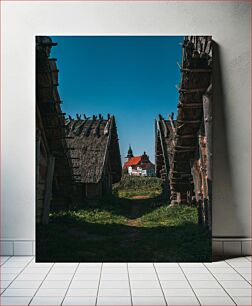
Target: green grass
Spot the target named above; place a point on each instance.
(123, 229)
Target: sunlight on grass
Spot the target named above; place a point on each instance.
(121, 228)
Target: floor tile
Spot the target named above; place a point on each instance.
(171, 276)
(47, 300)
(195, 270)
(146, 292)
(243, 300)
(210, 292)
(114, 284)
(31, 270)
(40, 265)
(180, 300)
(21, 258)
(162, 270)
(175, 284)
(220, 270)
(140, 264)
(145, 284)
(84, 284)
(93, 264)
(247, 277)
(19, 292)
(82, 292)
(61, 270)
(220, 300)
(115, 270)
(220, 264)
(115, 264)
(51, 292)
(5, 283)
(191, 264)
(66, 265)
(243, 270)
(204, 284)
(235, 284)
(229, 276)
(25, 284)
(79, 301)
(114, 276)
(88, 270)
(178, 292)
(7, 276)
(103, 300)
(4, 259)
(29, 276)
(239, 291)
(9, 270)
(200, 276)
(236, 259)
(150, 300)
(55, 284)
(14, 264)
(91, 277)
(166, 264)
(136, 270)
(114, 292)
(59, 277)
(241, 264)
(11, 301)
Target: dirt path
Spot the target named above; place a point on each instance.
(134, 219)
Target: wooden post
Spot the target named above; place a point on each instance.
(200, 211)
(38, 140)
(207, 109)
(48, 189)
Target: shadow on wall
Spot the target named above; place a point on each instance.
(225, 216)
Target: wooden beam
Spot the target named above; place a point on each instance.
(189, 121)
(48, 189)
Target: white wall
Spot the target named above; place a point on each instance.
(228, 22)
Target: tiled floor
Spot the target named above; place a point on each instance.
(24, 282)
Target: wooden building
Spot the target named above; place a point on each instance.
(53, 163)
(94, 148)
(184, 145)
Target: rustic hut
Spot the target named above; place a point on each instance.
(94, 148)
(53, 163)
(183, 146)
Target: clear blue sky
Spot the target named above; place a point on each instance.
(131, 77)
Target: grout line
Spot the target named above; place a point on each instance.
(70, 283)
(189, 283)
(96, 300)
(160, 284)
(9, 257)
(131, 299)
(41, 282)
(17, 275)
(239, 273)
(220, 284)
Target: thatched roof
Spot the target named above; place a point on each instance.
(50, 119)
(90, 143)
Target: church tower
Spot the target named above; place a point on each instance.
(130, 153)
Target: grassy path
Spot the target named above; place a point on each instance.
(138, 227)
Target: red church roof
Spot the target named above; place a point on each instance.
(133, 161)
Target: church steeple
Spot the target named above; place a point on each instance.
(130, 153)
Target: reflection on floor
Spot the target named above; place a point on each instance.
(24, 282)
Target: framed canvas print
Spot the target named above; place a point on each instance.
(123, 154)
